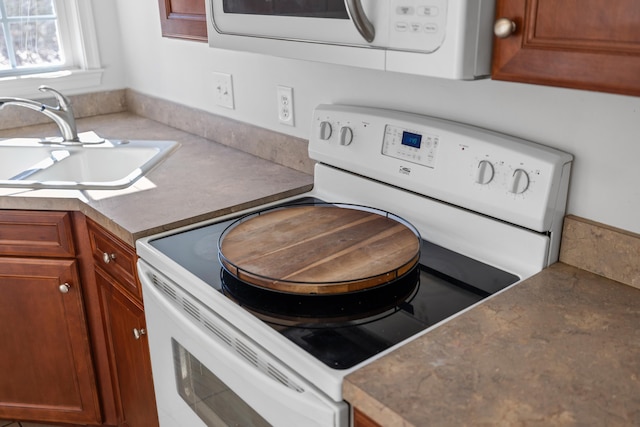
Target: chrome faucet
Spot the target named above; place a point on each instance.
(62, 114)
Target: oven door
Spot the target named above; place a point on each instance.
(208, 374)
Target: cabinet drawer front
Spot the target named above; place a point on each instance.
(36, 233)
(115, 257)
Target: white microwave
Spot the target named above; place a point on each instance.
(438, 38)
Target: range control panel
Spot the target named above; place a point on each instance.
(409, 145)
(495, 174)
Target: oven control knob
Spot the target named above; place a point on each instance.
(325, 131)
(519, 181)
(484, 172)
(346, 135)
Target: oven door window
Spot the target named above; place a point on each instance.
(316, 9)
(209, 397)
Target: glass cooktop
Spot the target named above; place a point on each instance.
(344, 330)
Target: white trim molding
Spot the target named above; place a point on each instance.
(83, 75)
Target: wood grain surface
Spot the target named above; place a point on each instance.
(319, 249)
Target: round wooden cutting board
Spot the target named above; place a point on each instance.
(319, 249)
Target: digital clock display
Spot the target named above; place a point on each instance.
(411, 139)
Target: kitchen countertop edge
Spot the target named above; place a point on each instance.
(200, 181)
(550, 349)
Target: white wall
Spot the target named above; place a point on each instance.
(107, 25)
(602, 131)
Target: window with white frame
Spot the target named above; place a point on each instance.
(42, 40)
(31, 37)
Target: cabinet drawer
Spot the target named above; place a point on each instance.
(115, 257)
(36, 233)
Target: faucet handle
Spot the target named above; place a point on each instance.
(63, 114)
(63, 101)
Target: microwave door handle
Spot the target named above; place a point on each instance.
(360, 20)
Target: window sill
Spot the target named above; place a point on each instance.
(68, 82)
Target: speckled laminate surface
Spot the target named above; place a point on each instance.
(266, 144)
(84, 105)
(200, 180)
(601, 249)
(559, 349)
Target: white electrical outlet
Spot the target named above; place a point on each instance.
(223, 89)
(285, 105)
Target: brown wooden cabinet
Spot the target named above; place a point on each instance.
(362, 420)
(47, 371)
(72, 326)
(183, 19)
(583, 44)
(124, 328)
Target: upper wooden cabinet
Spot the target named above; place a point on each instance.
(183, 19)
(582, 44)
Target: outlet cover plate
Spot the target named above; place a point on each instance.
(223, 89)
(285, 105)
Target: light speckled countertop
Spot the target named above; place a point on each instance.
(561, 348)
(200, 180)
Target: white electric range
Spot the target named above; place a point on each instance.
(487, 207)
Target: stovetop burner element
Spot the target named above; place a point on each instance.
(446, 283)
(322, 311)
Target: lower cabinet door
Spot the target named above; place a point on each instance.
(361, 420)
(131, 366)
(46, 370)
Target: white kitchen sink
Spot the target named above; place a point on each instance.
(28, 163)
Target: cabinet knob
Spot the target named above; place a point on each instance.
(107, 258)
(504, 27)
(64, 288)
(137, 333)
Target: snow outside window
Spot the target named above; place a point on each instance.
(49, 42)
